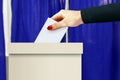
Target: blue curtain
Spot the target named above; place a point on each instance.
(29, 17)
(2, 47)
(101, 58)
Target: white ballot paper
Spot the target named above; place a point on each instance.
(54, 36)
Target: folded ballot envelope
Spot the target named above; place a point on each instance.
(54, 36)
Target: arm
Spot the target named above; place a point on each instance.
(73, 18)
(104, 13)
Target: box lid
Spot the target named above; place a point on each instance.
(45, 48)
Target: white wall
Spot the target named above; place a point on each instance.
(7, 21)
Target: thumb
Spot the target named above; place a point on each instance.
(57, 25)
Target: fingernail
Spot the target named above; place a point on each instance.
(50, 27)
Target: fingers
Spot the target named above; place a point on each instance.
(58, 17)
(57, 25)
(61, 22)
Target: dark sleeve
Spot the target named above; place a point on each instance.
(106, 13)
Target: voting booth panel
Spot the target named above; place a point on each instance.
(44, 61)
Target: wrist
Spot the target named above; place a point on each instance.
(80, 16)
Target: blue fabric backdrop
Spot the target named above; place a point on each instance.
(101, 58)
(29, 17)
(2, 47)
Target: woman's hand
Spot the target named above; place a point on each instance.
(66, 18)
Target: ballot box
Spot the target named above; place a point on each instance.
(44, 61)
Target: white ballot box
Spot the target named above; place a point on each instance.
(44, 61)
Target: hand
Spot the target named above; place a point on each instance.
(66, 18)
